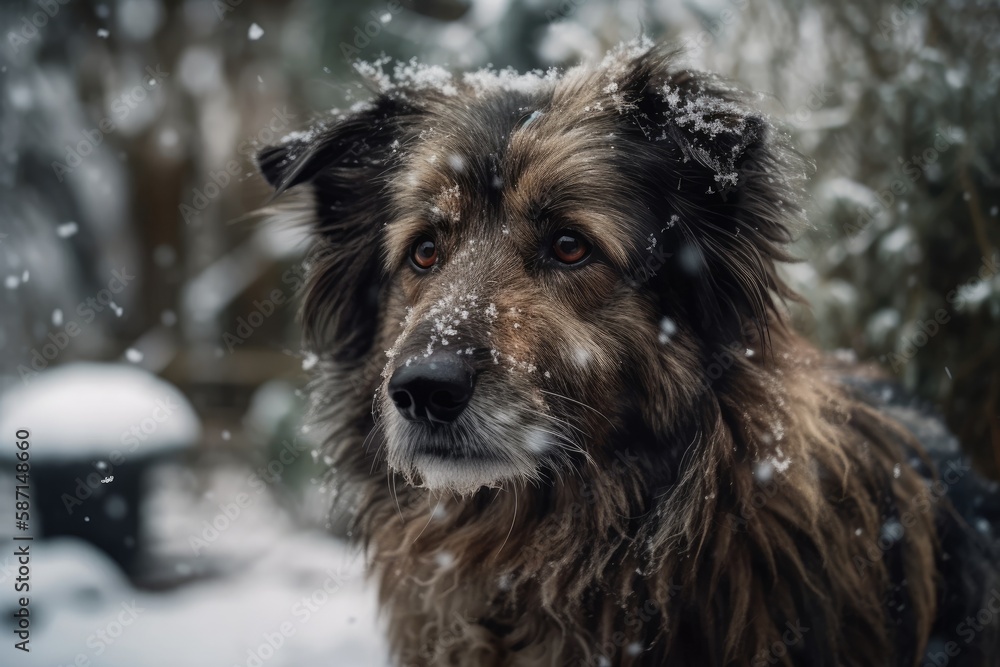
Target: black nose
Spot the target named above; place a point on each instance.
(434, 389)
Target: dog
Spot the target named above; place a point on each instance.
(565, 404)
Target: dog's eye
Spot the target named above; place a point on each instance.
(570, 247)
(424, 253)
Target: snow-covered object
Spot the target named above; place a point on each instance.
(90, 410)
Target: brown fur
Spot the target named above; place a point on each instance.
(636, 535)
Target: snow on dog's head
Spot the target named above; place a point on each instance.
(496, 252)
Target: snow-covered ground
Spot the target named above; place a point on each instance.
(264, 593)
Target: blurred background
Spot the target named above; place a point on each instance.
(147, 324)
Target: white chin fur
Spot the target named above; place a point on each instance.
(464, 477)
(465, 473)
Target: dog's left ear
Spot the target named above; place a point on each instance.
(347, 163)
(725, 193)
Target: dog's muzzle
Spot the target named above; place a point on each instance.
(433, 389)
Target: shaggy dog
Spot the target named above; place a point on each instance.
(565, 403)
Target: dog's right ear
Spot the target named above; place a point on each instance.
(347, 165)
(356, 140)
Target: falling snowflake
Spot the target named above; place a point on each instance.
(667, 329)
(309, 361)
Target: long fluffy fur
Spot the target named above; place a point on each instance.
(699, 487)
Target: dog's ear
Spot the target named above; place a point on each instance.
(347, 163)
(725, 194)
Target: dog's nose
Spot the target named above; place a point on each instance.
(432, 390)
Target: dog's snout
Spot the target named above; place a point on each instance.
(434, 389)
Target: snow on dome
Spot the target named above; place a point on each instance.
(91, 410)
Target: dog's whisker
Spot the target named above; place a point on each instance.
(580, 403)
(513, 520)
(430, 518)
(391, 479)
(556, 420)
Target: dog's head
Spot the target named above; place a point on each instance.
(542, 259)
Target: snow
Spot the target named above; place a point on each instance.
(255, 32)
(67, 229)
(305, 604)
(537, 441)
(411, 75)
(420, 77)
(850, 191)
(444, 559)
(86, 409)
(892, 531)
(763, 472)
(974, 293)
(416, 76)
(897, 240)
(667, 329)
(487, 80)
